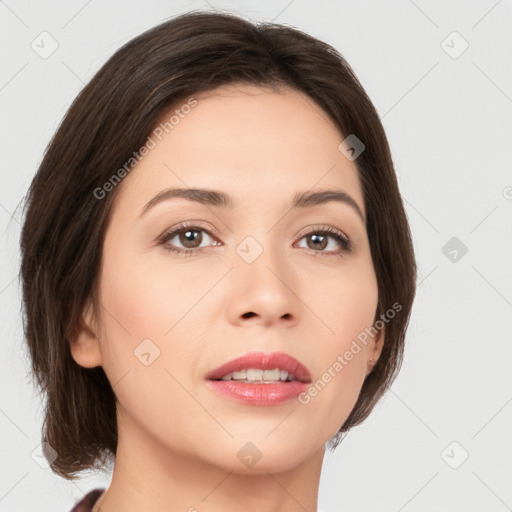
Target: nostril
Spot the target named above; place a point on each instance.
(249, 315)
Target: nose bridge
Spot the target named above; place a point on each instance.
(262, 280)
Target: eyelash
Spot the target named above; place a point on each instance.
(344, 242)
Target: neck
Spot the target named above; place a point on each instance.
(150, 476)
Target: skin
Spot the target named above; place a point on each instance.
(178, 439)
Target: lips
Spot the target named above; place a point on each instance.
(263, 361)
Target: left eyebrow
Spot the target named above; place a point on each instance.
(217, 198)
(317, 197)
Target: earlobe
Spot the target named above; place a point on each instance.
(85, 347)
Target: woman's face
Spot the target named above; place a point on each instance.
(259, 275)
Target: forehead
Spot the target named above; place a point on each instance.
(253, 142)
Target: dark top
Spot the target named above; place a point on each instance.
(88, 501)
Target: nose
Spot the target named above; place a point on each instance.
(263, 292)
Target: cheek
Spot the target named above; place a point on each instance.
(149, 296)
(345, 301)
(146, 367)
(150, 307)
(348, 309)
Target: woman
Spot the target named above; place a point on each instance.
(217, 269)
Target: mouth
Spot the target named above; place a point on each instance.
(261, 367)
(259, 376)
(260, 379)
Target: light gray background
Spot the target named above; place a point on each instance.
(449, 123)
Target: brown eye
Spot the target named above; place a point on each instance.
(185, 239)
(316, 241)
(190, 238)
(320, 240)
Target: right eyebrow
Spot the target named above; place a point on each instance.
(205, 196)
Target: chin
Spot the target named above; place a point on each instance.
(259, 454)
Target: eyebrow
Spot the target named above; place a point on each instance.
(216, 198)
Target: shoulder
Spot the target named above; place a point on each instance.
(88, 501)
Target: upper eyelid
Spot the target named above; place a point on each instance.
(183, 226)
(331, 230)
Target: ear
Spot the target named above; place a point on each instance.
(375, 349)
(85, 348)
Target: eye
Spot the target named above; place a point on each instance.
(191, 236)
(318, 239)
(188, 235)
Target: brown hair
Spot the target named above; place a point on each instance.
(111, 118)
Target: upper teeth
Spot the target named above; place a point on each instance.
(255, 374)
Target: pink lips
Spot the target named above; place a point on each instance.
(257, 393)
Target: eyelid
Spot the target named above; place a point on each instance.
(188, 224)
(319, 227)
(344, 240)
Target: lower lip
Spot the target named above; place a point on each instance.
(259, 394)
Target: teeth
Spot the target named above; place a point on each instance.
(253, 374)
(271, 374)
(256, 375)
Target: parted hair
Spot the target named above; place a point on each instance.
(113, 115)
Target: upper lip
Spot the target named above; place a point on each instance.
(263, 361)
